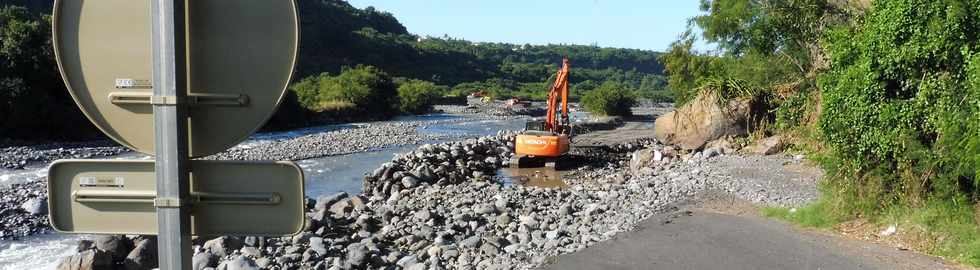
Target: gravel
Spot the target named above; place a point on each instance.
(18, 157)
(23, 210)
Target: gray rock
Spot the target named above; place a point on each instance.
(316, 244)
(423, 215)
(204, 260)
(513, 248)
(410, 182)
(326, 201)
(263, 262)
(36, 206)
(407, 261)
(302, 238)
(238, 263)
(118, 246)
(223, 246)
(92, 259)
(357, 254)
(710, 153)
(251, 241)
(358, 203)
(341, 207)
(768, 146)
(434, 251)
(552, 235)
(484, 209)
(471, 242)
(501, 204)
(144, 256)
(251, 251)
(84, 245)
(417, 266)
(565, 210)
(503, 220)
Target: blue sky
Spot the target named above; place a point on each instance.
(639, 24)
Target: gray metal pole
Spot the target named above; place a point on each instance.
(170, 124)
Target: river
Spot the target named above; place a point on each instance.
(325, 175)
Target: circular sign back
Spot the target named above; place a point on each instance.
(240, 57)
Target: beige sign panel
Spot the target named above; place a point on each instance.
(227, 197)
(241, 55)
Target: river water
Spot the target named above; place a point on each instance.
(324, 175)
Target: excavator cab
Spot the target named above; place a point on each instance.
(543, 143)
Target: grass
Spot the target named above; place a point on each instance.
(940, 228)
(815, 215)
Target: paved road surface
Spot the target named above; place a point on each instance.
(701, 239)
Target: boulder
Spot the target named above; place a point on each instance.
(204, 260)
(326, 201)
(340, 208)
(144, 256)
(84, 245)
(118, 246)
(238, 263)
(92, 259)
(649, 157)
(35, 206)
(701, 120)
(768, 146)
(223, 246)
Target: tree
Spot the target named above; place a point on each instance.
(901, 102)
(610, 99)
(416, 96)
(33, 101)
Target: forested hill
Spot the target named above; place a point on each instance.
(335, 34)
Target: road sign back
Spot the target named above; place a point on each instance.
(228, 197)
(241, 55)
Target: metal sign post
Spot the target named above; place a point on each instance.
(153, 76)
(170, 127)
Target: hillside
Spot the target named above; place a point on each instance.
(334, 35)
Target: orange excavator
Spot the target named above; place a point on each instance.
(546, 141)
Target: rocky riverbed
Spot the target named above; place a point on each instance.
(17, 220)
(439, 207)
(17, 157)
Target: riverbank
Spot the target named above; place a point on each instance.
(441, 206)
(410, 219)
(18, 187)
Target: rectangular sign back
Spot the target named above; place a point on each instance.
(227, 197)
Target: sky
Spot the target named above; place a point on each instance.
(637, 24)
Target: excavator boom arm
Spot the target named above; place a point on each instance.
(559, 90)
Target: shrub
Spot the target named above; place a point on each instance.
(369, 89)
(610, 99)
(899, 111)
(415, 96)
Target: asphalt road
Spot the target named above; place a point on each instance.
(700, 239)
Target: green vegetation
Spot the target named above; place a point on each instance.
(889, 94)
(417, 96)
(361, 90)
(814, 215)
(610, 99)
(33, 100)
(335, 37)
